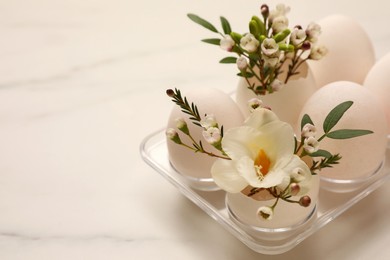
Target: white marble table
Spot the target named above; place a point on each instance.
(82, 83)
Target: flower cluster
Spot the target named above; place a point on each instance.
(267, 48)
(263, 155)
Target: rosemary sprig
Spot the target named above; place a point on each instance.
(186, 108)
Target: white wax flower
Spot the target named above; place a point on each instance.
(261, 152)
(308, 130)
(313, 30)
(242, 63)
(180, 123)
(279, 24)
(276, 85)
(249, 43)
(209, 121)
(311, 145)
(227, 43)
(212, 135)
(171, 133)
(254, 103)
(280, 9)
(297, 36)
(270, 61)
(265, 213)
(269, 47)
(303, 179)
(318, 52)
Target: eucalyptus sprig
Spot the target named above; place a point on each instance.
(261, 53)
(327, 159)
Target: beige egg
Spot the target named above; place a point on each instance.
(378, 81)
(351, 54)
(208, 101)
(287, 103)
(361, 156)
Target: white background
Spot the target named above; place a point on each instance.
(83, 82)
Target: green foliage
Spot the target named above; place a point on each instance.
(213, 41)
(202, 22)
(227, 60)
(186, 108)
(335, 115)
(347, 133)
(225, 25)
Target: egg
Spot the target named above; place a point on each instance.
(287, 102)
(361, 156)
(350, 52)
(196, 166)
(378, 81)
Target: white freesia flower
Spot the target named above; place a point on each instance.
(308, 130)
(242, 63)
(279, 24)
(249, 43)
(311, 145)
(318, 52)
(265, 212)
(297, 36)
(261, 152)
(269, 47)
(212, 135)
(209, 121)
(227, 43)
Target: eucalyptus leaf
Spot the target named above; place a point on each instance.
(335, 115)
(225, 25)
(321, 153)
(347, 133)
(213, 41)
(202, 22)
(227, 60)
(306, 120)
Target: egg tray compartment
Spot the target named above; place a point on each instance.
(330, 205)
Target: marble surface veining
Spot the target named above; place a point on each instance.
(82, 83)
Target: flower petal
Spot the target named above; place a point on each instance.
(277, 140)
(226, 177)
(261, 117)
(237, 142)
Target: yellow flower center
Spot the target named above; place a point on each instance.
(262, 164)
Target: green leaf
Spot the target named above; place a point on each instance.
(347, 133)
(227, 60)
(335, 115)
(214, 41)
(321, 153)
(247, 75)
(202, 22)
(306, 120)
(225, 25)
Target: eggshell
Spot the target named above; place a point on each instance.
(361, 156)
(245, 210)
(378, 81)
(351, 54)
(208, 101)
(287, 102)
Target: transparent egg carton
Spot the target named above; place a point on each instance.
(331, 204)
